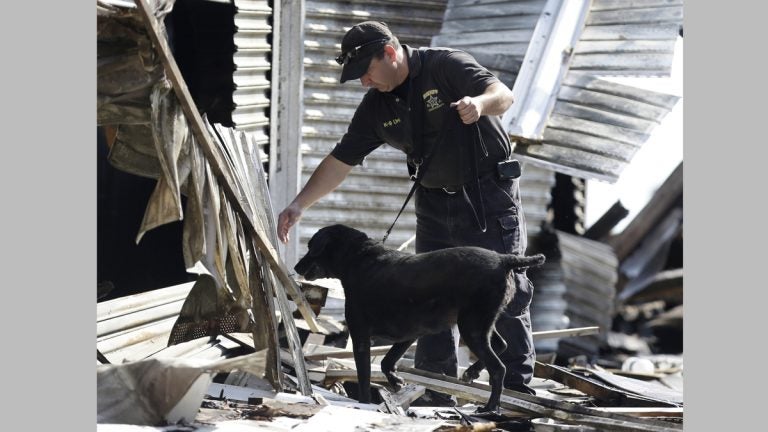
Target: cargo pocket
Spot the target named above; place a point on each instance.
(522, 296)
(510, 233)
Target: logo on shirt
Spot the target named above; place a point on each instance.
(431, 101)
(392, 122)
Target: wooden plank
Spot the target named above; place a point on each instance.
(393, 19)
(406, 395)
(265, 327)
(624, 47)
(544, 66)
(613, 103)
(292, 334)
(619, 62)
(596, 145)
(483, 38)
(595, 388)
(316, 295)
(648, 16)
(217, 159)
(629, 121)
(334, 375)
(113, 342)
(321, 353)
(644, 411)
(651, 253)
(318, 352)
(516, 50)
(600, 5)
(630, 32)
(538, 4)
(138, 318)
(664, 197)
(507, 8)
(615, 133)
(286, 110)
(388, 404)
(515, 22)
(567, 378)
(666, 285)
(649, 389)
(536, 405)
(575, 162)
(581, 331)
(586, 81)
(136, 302)
(603, 226)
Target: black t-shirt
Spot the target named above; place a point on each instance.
(437, 77)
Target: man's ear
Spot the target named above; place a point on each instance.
(390, 52)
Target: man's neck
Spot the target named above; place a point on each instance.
(402, 67)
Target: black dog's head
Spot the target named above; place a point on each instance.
(324, 247)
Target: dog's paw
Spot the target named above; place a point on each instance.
(470, 375)
(395, 381)
(487, 412)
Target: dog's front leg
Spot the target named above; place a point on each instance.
(388, 363)
(361, 347)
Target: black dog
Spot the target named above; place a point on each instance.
(399, 297)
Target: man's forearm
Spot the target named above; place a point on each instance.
(496, 99)
(327, 177)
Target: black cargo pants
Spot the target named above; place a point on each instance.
(445, 220)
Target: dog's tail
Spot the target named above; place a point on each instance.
(520, 261)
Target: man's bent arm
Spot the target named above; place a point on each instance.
(495, 100)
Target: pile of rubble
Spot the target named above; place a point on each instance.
(218, 383)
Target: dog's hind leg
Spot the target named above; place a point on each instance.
(388, 363)
(477, 335)
(473, 371)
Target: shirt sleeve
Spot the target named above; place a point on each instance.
(462, 73)
(361, 137)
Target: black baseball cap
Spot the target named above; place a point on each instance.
(359, 45)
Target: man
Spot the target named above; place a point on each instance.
(442, 109)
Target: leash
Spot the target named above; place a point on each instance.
(421, 168)
(475, 172)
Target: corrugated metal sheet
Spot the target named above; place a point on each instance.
(590, 275)
(548, 306)
(136, 327)
(574, 288)
(629, 38)
(536, 195)
(496, 33)
(596, 126)
(253, 70)
(371, 196)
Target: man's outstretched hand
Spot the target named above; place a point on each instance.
(287, 219)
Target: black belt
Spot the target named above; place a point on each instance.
(450, 190)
